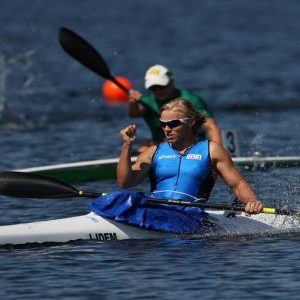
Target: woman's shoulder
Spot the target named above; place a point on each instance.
(217, 151)
(148, 153)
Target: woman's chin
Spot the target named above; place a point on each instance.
(171, 139)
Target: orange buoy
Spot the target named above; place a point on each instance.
(112, 93)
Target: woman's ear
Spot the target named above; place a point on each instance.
(191, 123)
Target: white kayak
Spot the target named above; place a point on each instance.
(94, 227)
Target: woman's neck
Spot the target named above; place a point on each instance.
(184, 146)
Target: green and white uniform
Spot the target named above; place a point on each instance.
(152, 113)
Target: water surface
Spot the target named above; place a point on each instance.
(241, 57)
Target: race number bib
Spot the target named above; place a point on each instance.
(230, 142)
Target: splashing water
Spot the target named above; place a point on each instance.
(2, 84)
(8, 117)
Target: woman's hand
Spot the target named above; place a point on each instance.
(134, 96)
(254, 207)
(128, 134)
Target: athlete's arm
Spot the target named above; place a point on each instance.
(127, 174)
(222, 162)
(214, 132)
(135, 109)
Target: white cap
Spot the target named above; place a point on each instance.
(157, 75)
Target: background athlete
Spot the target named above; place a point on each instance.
(159, 80)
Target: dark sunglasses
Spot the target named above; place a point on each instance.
(173, 123)
(154, 88)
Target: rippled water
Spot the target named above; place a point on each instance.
(242, 57)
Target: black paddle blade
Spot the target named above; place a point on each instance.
(25, 185)
(83, 52)
(86, 54)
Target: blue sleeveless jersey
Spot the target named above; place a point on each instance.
(173, 176)
(187, 176)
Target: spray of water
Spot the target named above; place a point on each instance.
(9, 117)
(2, 84)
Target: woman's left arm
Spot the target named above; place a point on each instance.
(223, 164)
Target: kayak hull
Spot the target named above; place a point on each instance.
(94, 227)
(86, 227)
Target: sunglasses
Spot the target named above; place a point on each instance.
(154, 88)
(173, 123)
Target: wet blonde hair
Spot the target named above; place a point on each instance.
(187, 109)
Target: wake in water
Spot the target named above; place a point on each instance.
(8, 117)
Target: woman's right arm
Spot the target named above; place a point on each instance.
(127, 174)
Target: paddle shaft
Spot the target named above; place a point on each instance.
(89, 194)
(266, 210)
(86, 54)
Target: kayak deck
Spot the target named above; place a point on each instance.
(94, 227)
(105, 169)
